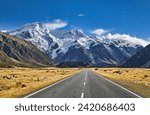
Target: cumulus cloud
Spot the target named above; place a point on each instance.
(81, 15)
(99, 32)
(128, 38)
(56, 24)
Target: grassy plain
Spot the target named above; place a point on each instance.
(16, 82)
(134, 79)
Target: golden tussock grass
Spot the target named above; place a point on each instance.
(135, 79)
(16, 82)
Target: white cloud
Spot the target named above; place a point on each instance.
(128, 38)
(81, 15)
(56, 24)
(3, 31)
(99, 32)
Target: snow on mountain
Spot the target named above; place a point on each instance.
(121, 46)
(74, 45)
(34, 33)
(121, 40)
(140, 59)
(74, 34)
(41, 37)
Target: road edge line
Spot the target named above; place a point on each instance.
(50, 85)
(118, 85)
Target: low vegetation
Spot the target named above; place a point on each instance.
(15, 82)
(135, 79)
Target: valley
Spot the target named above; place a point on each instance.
(31, 54)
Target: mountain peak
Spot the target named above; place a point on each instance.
(33, 26)
(77, 32)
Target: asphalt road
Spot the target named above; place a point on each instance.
(86, 84)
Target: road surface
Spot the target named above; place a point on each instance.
(86, 84)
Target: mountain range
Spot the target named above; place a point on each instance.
(18, 52)
(73, 47)
(140, 59)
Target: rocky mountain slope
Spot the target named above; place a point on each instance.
(6, 61)
(140, 59)
(18, 52)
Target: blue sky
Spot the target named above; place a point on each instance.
(117, 16)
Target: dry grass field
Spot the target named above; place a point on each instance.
(16, 82)
(135, 79)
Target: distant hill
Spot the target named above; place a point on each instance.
(17, 52)
(140, 59)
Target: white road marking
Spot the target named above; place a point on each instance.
(82, 95)
(84, 83)
(119, 86)
(48, 86)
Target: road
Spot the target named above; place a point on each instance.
(86, 84)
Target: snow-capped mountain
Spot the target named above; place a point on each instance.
(74, 46)
(140, 59)
(36, 33)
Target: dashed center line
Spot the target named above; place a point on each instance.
(82, 95)
(84, 83)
